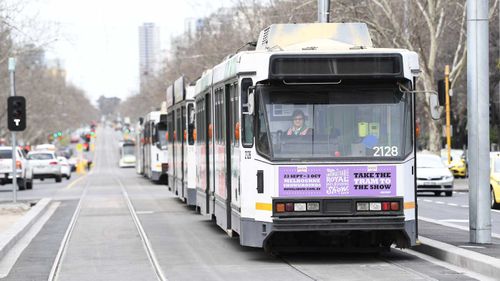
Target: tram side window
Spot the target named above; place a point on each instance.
(178, 127)
(183, 125)
(235, 114)
(263, 139)
(246, 120)
(191, 123)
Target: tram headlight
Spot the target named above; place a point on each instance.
(299, 207)
(363, 206)
(313, 206)
(375, 206)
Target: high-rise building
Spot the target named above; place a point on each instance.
(149, 51)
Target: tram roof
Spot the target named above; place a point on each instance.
(302, 39)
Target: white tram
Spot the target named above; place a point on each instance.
(180, 138)
(311, 136)
(154, 146)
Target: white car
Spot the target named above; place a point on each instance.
(65, 167)
(433, 175)
(24, 173)
(45, 165)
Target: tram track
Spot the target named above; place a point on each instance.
(58, 260)
(144, 238)
(148, 248)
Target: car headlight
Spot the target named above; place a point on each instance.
(448, 178)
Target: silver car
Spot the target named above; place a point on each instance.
(433, 175)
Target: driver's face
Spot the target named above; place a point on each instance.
(298, 121)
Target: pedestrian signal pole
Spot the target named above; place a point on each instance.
(12, 69)
(447, 94)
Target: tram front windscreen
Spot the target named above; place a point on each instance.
(310, 122)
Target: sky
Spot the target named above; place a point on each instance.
(97, 41)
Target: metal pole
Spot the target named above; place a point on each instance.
(478, 121)
(323, 11)
(12, 69)
(448, 133)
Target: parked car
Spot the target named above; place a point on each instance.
(24, 172)
(65, 167)
(458, 164)
(45, 165)
(495, 179)
(433, 175)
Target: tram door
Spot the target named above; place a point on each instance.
(183, 143)
(228, 127)
(210, 200)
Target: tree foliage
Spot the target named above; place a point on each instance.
(435, 29)
(52, 103)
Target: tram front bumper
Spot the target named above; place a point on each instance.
(339, 223)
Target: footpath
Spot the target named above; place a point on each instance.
(451, 244)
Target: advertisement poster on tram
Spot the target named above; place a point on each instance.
(303, 181)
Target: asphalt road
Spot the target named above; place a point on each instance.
(452, 210)
(126, 228)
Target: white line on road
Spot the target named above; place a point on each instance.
(439, 202)
(454, 220)
(144, 212)
(453, 204)
(427, 200)
(461, 227)
(496, 211)
(464, 206)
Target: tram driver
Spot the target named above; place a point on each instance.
(298, 126)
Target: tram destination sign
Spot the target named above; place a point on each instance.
(337, 181)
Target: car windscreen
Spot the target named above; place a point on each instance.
(41, 156)
(128, 149)
(5, 154)
(497, 165)
(429, 162)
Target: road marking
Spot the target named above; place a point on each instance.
(453, 204)
(454, 220)
(427, 200)
(448, 224)
(464, 206)
(472, 247)
(496, 211)
(439, 202)
(144, 212)
(75, 182)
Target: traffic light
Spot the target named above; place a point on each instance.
(16, 113)
(442, 91)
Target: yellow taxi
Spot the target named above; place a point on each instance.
(458, 165)
(495, 179)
